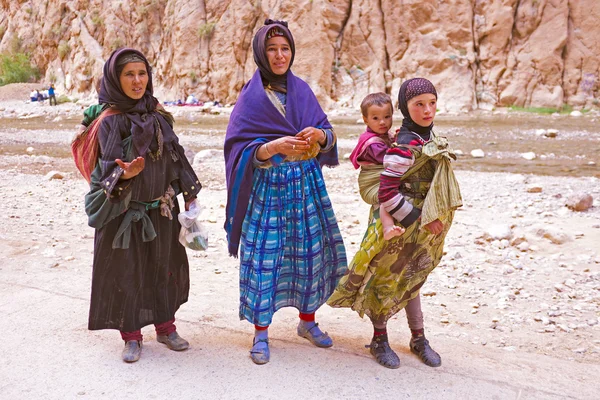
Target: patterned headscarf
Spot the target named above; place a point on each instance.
(412, 88)
(259, 47)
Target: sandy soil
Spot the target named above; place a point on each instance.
(510, 322)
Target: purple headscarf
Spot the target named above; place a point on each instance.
(412, 88)
(259, 46)
(143, 129)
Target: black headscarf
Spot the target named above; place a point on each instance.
(259, 47)
(137, 111)
(412, 88)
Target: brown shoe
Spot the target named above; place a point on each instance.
(173, 341)
(132, 351)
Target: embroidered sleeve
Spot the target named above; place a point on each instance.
(111, 148)
(396, 162)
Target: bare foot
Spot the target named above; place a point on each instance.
(392, 232)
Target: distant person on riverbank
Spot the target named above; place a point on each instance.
(419, 190)
(136, 167)
(33, 95)
(40, 97)
(51, 94)
(368, 155)
(278, 211)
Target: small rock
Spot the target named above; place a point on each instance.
(444, 320)
(523, 246)
(69, 258)
(540, 132)
(508, 270)
(592, 322)
(498, 232)
(576, 114)
(580, 202)
(429, 293)
(529, 155)
(580, 350)
(30, 150)
(550, 328)
(559, 288)
(554, 235)
(551, 133)
(534, 189)
(347, 156)
(54, 175)
(477, 153)
(208, 154)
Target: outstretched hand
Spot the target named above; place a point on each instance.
(131, 169)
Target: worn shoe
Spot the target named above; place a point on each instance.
(315, 336)
(173, 341)
(261, 354)
(420, 346)
(383, 353)
(132, 351)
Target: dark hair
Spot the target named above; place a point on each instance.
(375, 99)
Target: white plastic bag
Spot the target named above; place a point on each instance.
(192, 235)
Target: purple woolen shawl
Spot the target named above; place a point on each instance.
(255, 121)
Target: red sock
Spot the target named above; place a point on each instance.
(261, 328)
(307, 317)
(379, 332)
(417, 332)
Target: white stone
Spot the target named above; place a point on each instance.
(477, 153)
(208, 154)
(498, 232)
(54, 175)
(529, 155)
(540, 132)
(30, 150)
(576, 114)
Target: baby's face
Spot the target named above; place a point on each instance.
(379, 118)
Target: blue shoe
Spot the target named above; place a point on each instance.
(260, 354)
(314, 334)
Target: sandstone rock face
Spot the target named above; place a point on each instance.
(479, 54)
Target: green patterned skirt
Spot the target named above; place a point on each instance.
(385, 275)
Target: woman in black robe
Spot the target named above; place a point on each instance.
(140, 271)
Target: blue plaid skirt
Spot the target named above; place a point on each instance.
(291, 249)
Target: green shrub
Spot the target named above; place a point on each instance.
(205, 30)
(63, 98)
(15, 68)
(63, 49)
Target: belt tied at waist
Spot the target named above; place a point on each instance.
(137, 212)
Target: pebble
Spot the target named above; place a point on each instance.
(528, 156)
(580, 202)
(30, 150)
(477, 153)
(580, 350)
(534, 189)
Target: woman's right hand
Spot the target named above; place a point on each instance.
(289, 146)
(131, 169)
(436, 227)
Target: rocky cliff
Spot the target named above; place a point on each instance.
(480, 54)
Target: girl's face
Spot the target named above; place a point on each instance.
(134, 79)
(422, 109)
(379, 118)
(279, 54)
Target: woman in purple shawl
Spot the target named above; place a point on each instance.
(140, 270)
(278, 212)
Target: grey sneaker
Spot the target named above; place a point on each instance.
(173, 341)
(132, 351)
